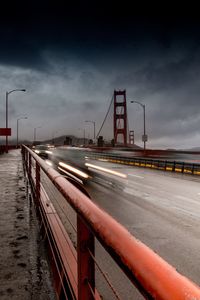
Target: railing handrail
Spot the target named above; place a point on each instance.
(153, 276)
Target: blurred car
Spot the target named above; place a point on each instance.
(43, 150)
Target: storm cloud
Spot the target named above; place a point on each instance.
(71, 58)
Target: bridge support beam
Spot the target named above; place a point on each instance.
(120, 116)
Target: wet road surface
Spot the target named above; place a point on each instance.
(159, 208)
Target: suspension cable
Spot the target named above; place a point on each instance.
(105, 116)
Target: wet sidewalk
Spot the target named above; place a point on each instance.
(24, 271)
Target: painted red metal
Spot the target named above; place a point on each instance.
(5, 131)
(29, 164)
(120, 118)
(131, 137)
(86, 274)
(63, 255)
(153, 277)
(37, 179)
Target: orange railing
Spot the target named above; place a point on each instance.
(74, 267)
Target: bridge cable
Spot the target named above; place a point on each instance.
(105, 116)
(128, 132)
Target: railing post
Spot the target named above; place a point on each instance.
(158, 165)
(22, 152)
(37, 179)
(26, 160)
(29, 165)
(86, 267)
(183, 165)
(193, 169)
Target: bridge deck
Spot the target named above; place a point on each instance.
(24, 272)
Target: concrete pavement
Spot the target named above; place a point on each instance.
(24, 270)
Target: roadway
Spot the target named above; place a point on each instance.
(161, 209)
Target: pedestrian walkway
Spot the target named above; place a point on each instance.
(24, 271)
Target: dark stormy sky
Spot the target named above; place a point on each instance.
(70, 58)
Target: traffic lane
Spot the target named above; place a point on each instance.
(73, 154)
(160, 215)
(148, 184)
(165, 190)
(169, 224)
(174, 191)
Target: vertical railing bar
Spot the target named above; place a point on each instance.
(86, 266)
(37, 183)
(29, 164)
(106, 277)
(183, 165)
(91, 290)
(192, 168)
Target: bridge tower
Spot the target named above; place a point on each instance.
(131, 137)
(120, 116)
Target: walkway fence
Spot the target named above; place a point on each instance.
(73, 260)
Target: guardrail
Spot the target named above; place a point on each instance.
(164, 165)
(74, 266)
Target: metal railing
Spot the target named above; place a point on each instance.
(74, 266)
(165, 165)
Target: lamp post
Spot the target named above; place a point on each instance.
(144, 137)
(94, 128)
(8, 93)
(22, 118)
(34, 137)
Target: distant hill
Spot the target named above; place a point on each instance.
(61, 139)
(80, 141)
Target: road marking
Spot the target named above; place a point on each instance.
(142, 185)
(136, 176)
(189, 199)
(133, 192)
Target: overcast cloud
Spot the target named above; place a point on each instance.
(70, 66)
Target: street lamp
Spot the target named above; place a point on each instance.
(22, 118)
(94, 128)
(144, 137)
(7, 93)
(34, 138)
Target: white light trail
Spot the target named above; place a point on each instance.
(48, 162)
(49, 152)
(74, 170)
(70, 175)
(106, 170)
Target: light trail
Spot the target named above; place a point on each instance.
(106, 170)
(74, 170)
